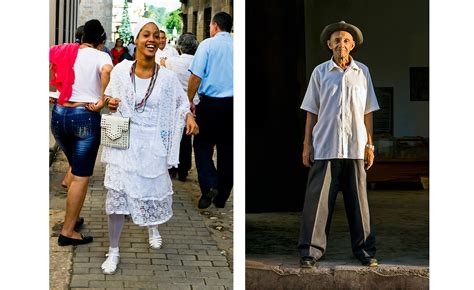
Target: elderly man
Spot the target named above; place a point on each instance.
(212, 77)
(338, 147)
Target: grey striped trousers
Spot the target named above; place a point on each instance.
(326, 178)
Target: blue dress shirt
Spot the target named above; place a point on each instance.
(213, 63)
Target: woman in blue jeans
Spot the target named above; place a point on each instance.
(80, 72)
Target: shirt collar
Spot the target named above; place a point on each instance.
(353, 65)
(223, 33)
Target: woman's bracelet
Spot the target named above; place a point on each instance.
(370, 146)
(106, 102)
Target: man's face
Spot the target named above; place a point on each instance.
(162, 41)
(213, 28)
(341, 44)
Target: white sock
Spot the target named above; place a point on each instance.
(113, 250)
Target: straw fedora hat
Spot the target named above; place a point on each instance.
(341, 26)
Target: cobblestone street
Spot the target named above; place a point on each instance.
(196, 253)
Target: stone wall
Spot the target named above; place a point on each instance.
(195, 9)
(100, 10)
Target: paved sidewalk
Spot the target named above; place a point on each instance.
(190, 257)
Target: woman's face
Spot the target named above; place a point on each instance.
(147, 40)
(119, 43)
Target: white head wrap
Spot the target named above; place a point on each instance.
(140, 24)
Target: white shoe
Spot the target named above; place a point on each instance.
(110, 264)
(154, 239)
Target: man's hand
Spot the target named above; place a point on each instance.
(113, 104)
(368, 158)
(191, 125)
(192, 108)
(307, 155)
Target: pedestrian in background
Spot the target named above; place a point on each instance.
(117, 51)
(78, 34)
(186, 46)
(212, 77)
(80, 72)
(131, 47)
(137, 178)
(164, 49)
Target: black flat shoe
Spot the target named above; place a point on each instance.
(78, 224)
(368, 261)
(206, 200)
(65, 241)
(307, 262)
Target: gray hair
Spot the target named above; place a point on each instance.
(187, 43)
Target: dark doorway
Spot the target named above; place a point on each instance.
(275, 86)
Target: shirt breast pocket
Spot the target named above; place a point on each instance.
(358, 95)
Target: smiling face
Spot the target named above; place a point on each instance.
(341, 43)
(162, 43)
(147, 40)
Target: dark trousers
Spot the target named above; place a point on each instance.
(215, 119)
(185, 153)
(326, 178)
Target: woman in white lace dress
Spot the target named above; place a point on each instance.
(137, 178)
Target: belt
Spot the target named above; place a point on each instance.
(70, 104)
(204, 97)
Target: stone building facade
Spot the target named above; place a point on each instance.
(100, 10)
(197, 15)
(63, 19)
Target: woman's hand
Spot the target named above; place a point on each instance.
(191, 125)
(95, 107)
(113, 104)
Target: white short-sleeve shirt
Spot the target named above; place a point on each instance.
(340, 98)
(167, 52)
(87, 68)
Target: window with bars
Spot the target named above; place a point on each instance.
(383, 118)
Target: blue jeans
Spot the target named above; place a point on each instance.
(77, 132)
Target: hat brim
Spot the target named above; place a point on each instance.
(341, 26)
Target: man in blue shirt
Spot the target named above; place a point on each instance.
(212, 77)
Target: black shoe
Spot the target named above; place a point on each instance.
(219, 204)
(369, 261)
(205, 200)
(78, 224)
(65, 241)
(307, 262)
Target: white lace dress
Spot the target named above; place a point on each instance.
(137, 178)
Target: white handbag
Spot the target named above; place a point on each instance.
(115, 131)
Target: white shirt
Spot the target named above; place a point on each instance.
(89, 63)
(340, 99)
(180, 64)
(131, 49)
(166, 52)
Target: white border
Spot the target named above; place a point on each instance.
(24, 242)
(239, 145)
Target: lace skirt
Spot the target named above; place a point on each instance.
(147, 200)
